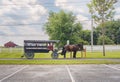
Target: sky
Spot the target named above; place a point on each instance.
(24, 19)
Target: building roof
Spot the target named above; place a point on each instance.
(10, 44)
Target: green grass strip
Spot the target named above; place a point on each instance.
(56, 62)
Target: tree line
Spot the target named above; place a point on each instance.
(112, 34)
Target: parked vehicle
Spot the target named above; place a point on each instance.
(39, 46)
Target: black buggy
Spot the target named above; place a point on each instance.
(39, 46)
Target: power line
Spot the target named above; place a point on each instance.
(44, 3)
(21, 24)
(39, 23)
(50, 6)
(21, 35)
(45, 15)
(32, 24)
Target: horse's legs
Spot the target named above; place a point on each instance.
(81, 54)
(70, 54)
(74, 54)
(64, 54)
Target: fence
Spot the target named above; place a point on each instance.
(100, 47)
(88, 48)
(11, 50)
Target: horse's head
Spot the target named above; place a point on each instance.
(80, 46)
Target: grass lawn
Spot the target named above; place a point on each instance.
(79, 60)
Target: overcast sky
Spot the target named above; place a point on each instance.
(24, 19)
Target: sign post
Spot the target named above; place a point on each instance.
(68, 42)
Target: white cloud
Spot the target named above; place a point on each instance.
(68, 5)
(23, 8)
(117, 11)
(19, 39)
(85, 22)
(21, 12)
(82, 18)
(117, 16)
(6, 30)
(78, 8)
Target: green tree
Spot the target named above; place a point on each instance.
(112, 30)
(107, 40)
(63, 26)
(85, 35)
(95, 35)
(102, 10)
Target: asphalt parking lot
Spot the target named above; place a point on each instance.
(60, 73)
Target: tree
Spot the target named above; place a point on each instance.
(96, 35)
(85, 35)
(112, 30)
(102, 10)
(107, 40)
(63, 26)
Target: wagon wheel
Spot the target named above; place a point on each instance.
(54, 54)
(29, 55)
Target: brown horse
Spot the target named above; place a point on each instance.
(72, 48)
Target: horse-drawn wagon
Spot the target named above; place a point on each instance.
(44, 46)
(39, 46)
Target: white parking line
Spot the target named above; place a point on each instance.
(72, 79)
(13, 73)
(111, 67)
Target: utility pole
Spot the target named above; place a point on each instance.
(91, 32)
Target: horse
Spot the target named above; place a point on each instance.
(72, 48)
